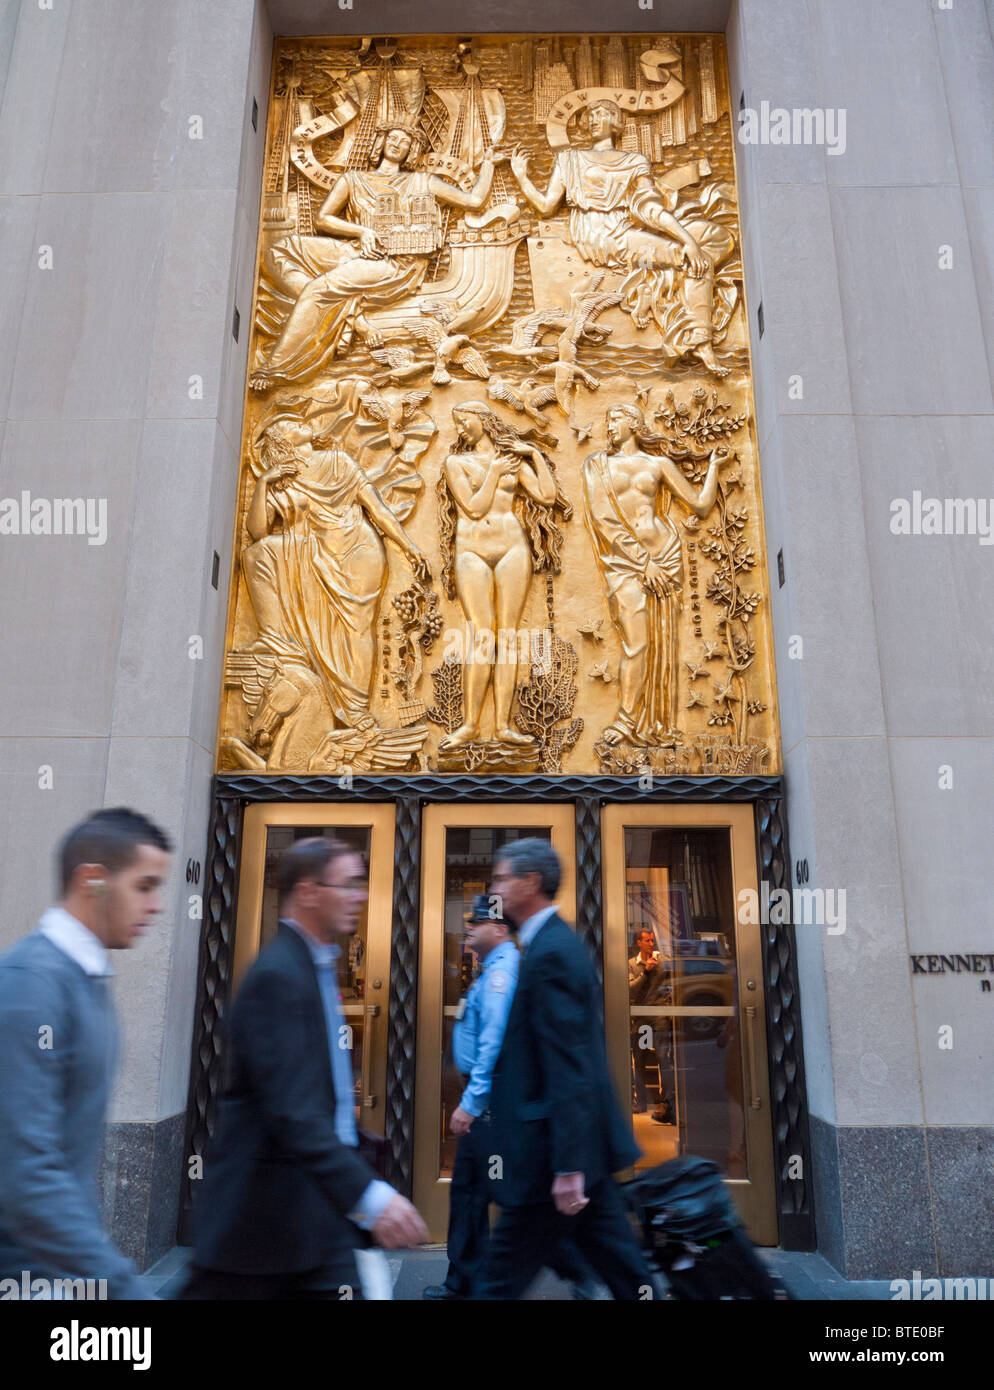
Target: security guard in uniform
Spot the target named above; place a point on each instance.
(476, 1040)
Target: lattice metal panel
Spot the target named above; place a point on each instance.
(788, 1093)
(402, 1032)
(214, 981)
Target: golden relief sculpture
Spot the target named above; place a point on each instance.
(488, 559)
(627, 493)
(500, 505)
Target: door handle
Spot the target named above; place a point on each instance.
(754, 1100)
(370, 1012)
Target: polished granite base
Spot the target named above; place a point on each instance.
(891, 1201)
(140, 1186)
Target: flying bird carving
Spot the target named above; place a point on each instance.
(528, 400)
(401, 363)
(394, 414)
(448, 348)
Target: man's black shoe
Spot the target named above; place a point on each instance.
(441, 1293)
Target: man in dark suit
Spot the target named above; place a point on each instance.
(286, 1196)
(558, 1132)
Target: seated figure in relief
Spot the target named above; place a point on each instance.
(335, 277)
(618, 219)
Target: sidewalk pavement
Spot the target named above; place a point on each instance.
(807, 1277)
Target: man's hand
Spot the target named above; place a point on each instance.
(567, 1193)
(400, 1225)
(651, 963)
(461, 1121)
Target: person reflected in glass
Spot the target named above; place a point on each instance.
(648, 984)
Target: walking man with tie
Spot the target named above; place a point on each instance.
(286, 1197)
(476, 1040)
(557, 1128)
(58, 1055)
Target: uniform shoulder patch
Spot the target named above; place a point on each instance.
(499, 981)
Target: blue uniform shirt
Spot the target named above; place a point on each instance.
(478, 1034)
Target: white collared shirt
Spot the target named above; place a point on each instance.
(78, 942)
(530, 927)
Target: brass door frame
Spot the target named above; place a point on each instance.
(431, 1193)
(755, 1196)
(379, 817)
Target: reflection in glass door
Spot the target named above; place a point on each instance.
(683, 985)
(364, 967)
(459, 848)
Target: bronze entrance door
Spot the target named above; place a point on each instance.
(684, 993)
(685, 1035)
(458, 848)
(364, 969)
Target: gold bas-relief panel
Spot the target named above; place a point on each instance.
(499, 505)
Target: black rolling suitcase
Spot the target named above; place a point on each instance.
(692, 1233)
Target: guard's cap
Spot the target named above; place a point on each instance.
(480, 911)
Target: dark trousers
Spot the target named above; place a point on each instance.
(335, 1282)
(469, 1219)
(643, 1058)
(469, 1204)
(601, 1232)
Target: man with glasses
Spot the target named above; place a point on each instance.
(286, 1196)
(476, 1038)
(558, 1132)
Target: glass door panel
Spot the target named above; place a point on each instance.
(683, 985)
(459, 848)
(364, 967)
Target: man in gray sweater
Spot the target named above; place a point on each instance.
(58, 1053)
